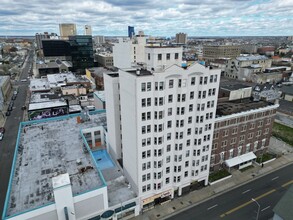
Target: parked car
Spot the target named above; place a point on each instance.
(23, 107)
(9, 108)
(15, 92)
(2, 130)
(23, 80)
(7, 113)
(1, 136)
(13, 97)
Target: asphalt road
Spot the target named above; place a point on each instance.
(237, 204)
(7, 145)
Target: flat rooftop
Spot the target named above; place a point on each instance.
(252, 57)
(99, 71)
(141, 72)
(49, 104)
(232, 107)
(47, 148)
(233, 87)
(100, 95)
(39, 84)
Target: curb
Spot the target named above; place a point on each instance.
(226, 190)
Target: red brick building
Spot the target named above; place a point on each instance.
(242, 132)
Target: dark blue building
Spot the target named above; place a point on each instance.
(130, 31)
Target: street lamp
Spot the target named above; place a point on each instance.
(258, 207)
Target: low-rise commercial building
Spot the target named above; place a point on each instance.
(63, 171)
(104, 59)
(243, 67)
(212, 52)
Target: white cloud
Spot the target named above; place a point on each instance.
(165, 18)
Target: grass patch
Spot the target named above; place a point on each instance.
(283, 132)
(218, 175)
(246, 168)
(265, 158)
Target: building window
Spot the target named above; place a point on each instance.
(143, 116)
(168, 56)
(143, 87)
(149, 86)
(171, 83)
(205, 80)
(192, 80)
(190, 107)
(179, 83)
(159, 56)
(176, 56)
(161, 87)
(143, 103)
(191, 95)
(189, 119)
(170, 98)
(169, 111)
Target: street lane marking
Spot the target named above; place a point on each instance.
(288, 183)
(265, 208)
(275, 178)
(247, 203)
(212, 206)
(246, 191)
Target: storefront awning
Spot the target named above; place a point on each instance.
(240, 159)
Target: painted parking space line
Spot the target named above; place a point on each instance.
(266, 208)
(212, 207)
(246, 191)
(275, 178)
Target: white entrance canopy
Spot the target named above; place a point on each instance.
(240, 159)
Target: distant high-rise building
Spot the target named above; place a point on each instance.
(67, 30)
(131, 32)
(99, 39)
(40, 37)
(181, 38)
(88, 30)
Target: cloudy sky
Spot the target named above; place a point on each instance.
(155, 17)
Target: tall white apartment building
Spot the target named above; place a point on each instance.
(129, 51)
(167, 121)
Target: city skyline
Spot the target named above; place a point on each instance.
(111, 17)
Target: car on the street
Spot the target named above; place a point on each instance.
(2, 130)
(15, 92)
(1, 136)
(23, 80)
(7, 113)
(13, 97)
(23, 107)
(9, 108)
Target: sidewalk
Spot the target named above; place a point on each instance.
(196, 197)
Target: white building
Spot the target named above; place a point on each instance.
(162, 112)
(88, 30)
(243, 67)
(129, 51)
(62, 177)
(161, 57)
